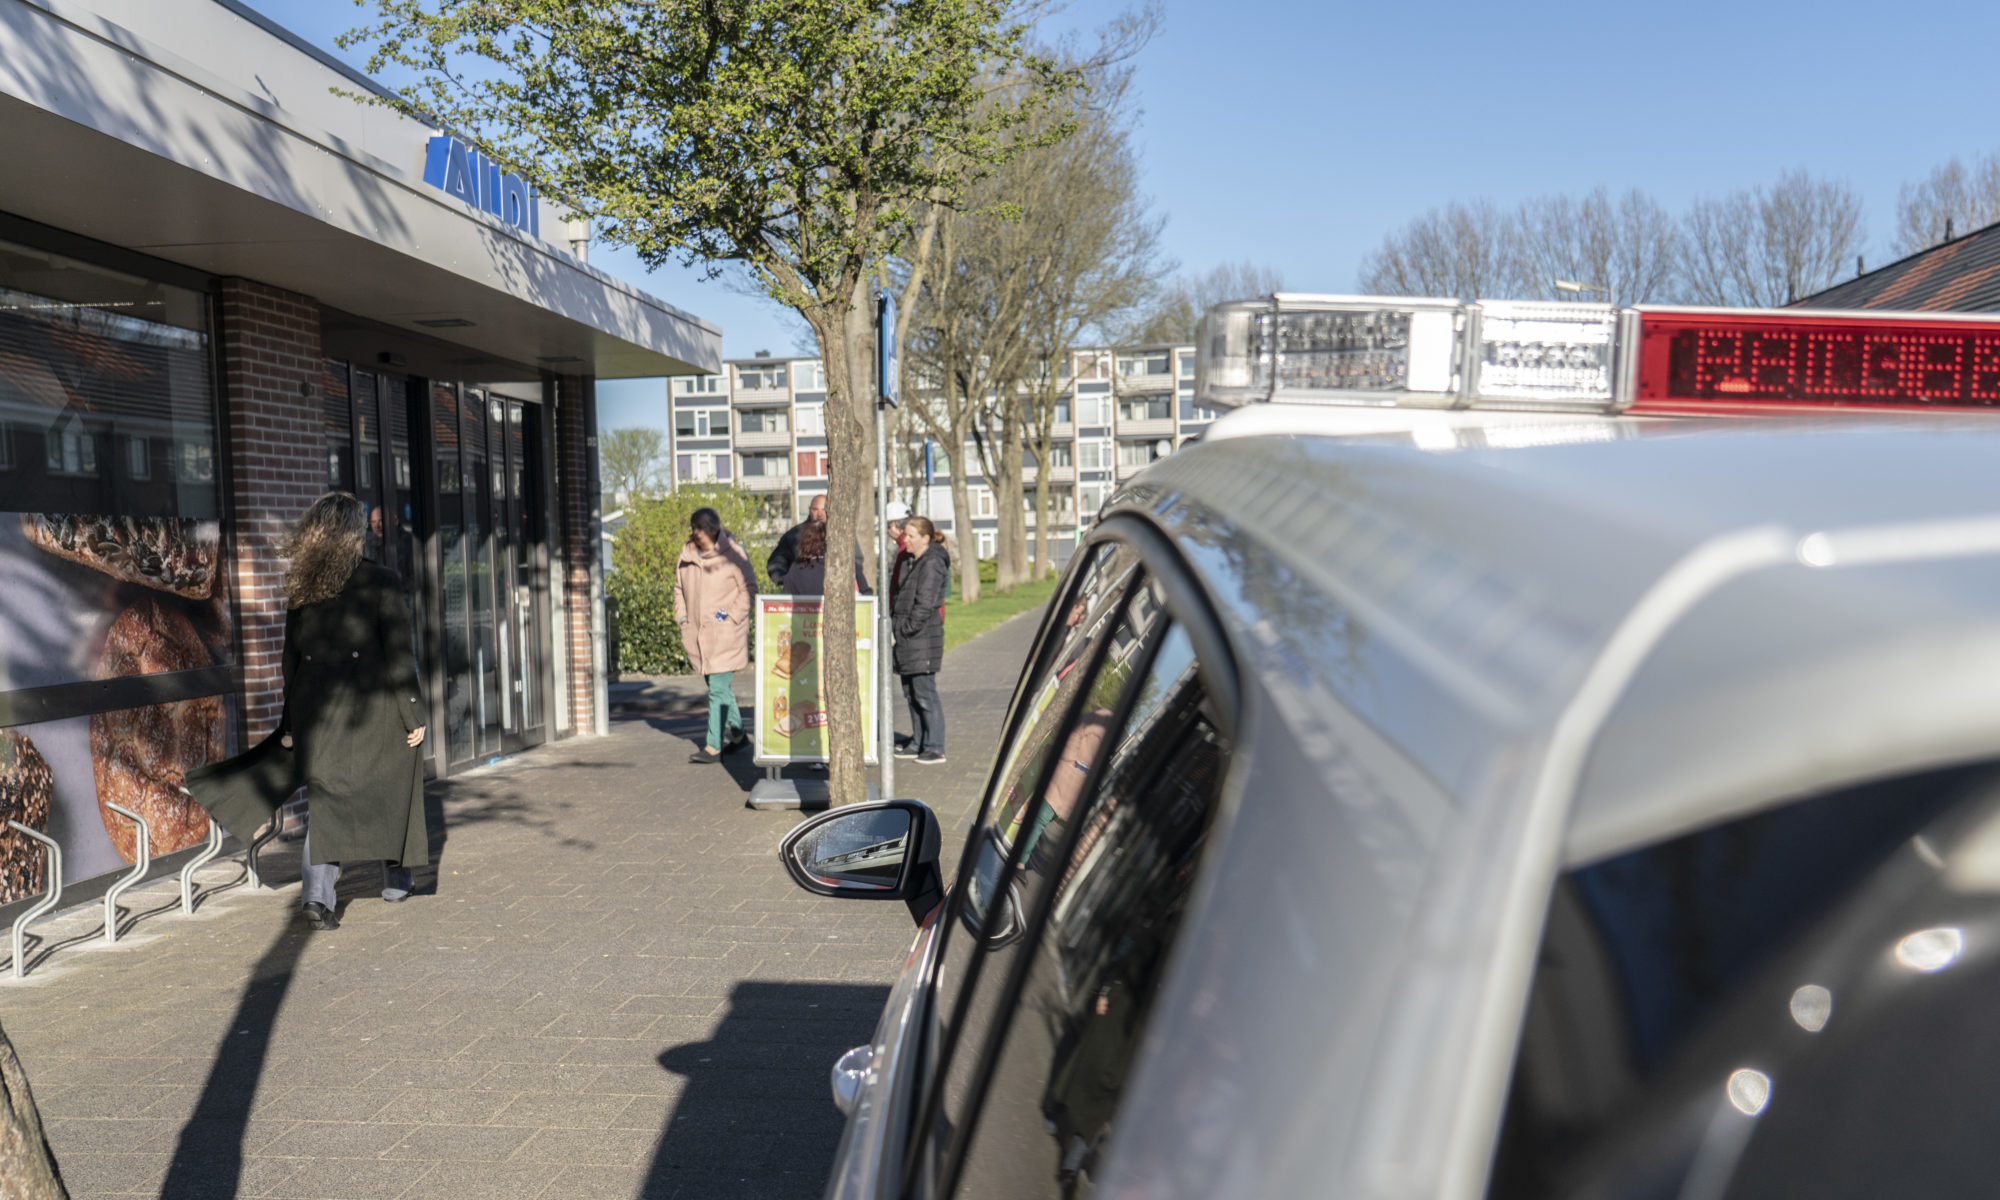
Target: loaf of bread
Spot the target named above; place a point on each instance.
(26, 788)
(173, 554)
(794, 656)
(141, 756)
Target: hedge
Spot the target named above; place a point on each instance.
(643, 557)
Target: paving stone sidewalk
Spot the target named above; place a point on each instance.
(605, 987)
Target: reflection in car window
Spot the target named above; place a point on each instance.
(1122, 877)
(1048, 770)
(1645, 959)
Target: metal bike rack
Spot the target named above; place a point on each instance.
(256, 844)
(138, 872)
(199, 861)
(52, 864)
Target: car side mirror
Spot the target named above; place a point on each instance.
(882, 851)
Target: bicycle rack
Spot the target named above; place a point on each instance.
(199, 861)
(52, 864)
(256, 844)
(131, 877)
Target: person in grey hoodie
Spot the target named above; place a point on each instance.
(918, 617)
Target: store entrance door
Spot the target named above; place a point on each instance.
(491, 538)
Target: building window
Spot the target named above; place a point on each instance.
(1062, 411)
(1143, 364)
(698, 385)
(809, 377)
(982, 502)
(702, 468)
(1093, 455)
(1093, 410)
(764, 466)
(986, 540)
(1060, 456)
(138, 458)
(812, 419)
(1151, 408)
(1187, 366)
(757, 379)
(1138, 454)
(1190, 411)
(72, 451)
(771, 420)
(701, 423)
(1090, 498)
(812, 464)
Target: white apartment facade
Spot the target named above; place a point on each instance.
(760, 424)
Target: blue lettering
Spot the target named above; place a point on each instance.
(514, 201)
(459, 181)
(465, 174)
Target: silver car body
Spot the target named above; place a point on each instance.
(1473, 649)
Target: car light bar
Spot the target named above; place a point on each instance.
(1377, 350)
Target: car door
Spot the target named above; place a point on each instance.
(1081, 868)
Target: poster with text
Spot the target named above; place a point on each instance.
(791, 724)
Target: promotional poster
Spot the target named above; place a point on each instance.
(791, 709)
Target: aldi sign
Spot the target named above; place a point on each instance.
(458, 170)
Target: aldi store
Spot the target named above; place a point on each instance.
(225, 289)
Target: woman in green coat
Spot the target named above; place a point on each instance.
(354, 717)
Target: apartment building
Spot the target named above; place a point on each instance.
(761, 425)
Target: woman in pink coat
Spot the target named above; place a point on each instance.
(713, 583)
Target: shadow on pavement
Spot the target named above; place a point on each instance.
(208, 1159)
(756, 1118)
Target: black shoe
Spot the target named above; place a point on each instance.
(906, 750)
(931, 756)
(703, 757)
(397, 899)
(318, 916)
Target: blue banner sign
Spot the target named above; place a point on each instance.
(458, 170)
(885, 347)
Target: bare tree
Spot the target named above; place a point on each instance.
(1630, 246)
(1175, 312)
(629, 460)
(1954, 199)
(1461, 250)
(1768, 246)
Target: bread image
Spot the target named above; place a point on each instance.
(173, 554)
(140, 756)
(26, 788)
(794, 656)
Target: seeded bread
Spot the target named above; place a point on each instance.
(173, 554)
(141, 756)
(26, 789)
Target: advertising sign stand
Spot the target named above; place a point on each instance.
(785, 650)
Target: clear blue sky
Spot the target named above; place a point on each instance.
(1296, 134)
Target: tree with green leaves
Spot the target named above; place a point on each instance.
(797, 138)
(629, 462)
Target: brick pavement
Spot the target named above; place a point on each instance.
(606, 986)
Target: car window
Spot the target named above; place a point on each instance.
(1121, 868)
(1674, 980)
(1043, 776)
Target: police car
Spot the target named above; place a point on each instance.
(1471, 771)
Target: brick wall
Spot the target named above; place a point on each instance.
(576, 446)
(271, 372)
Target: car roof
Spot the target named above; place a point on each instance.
(1503, 563)
(1475, 650)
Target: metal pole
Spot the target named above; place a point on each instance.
(52, 868)
(885, 562)
(131, 877)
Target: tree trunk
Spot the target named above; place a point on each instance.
(27, 1168)
(1044, 507)
(843, 334)
(967, 558)
(1014, 462)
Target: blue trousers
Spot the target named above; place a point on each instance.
(926, 713)
(317, 882)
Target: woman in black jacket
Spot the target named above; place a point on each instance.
(354, 717)
(918, 617)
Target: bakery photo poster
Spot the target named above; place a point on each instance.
(86, 598)
(790, 723)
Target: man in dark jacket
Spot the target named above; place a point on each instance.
(918, 619)
(787, 550)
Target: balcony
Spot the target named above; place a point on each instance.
(1145, 385)
(1060, 474)
(781, 440)
(1128, 470)
(764, 483)
(1152, 427)
(1062, 431)
(760, 397)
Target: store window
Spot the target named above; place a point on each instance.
(115, 616)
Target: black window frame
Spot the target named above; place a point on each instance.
(1186, 606)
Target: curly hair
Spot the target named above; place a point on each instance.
(812, 541)
(324, 547)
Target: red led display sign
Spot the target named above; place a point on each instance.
(1691, 362)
